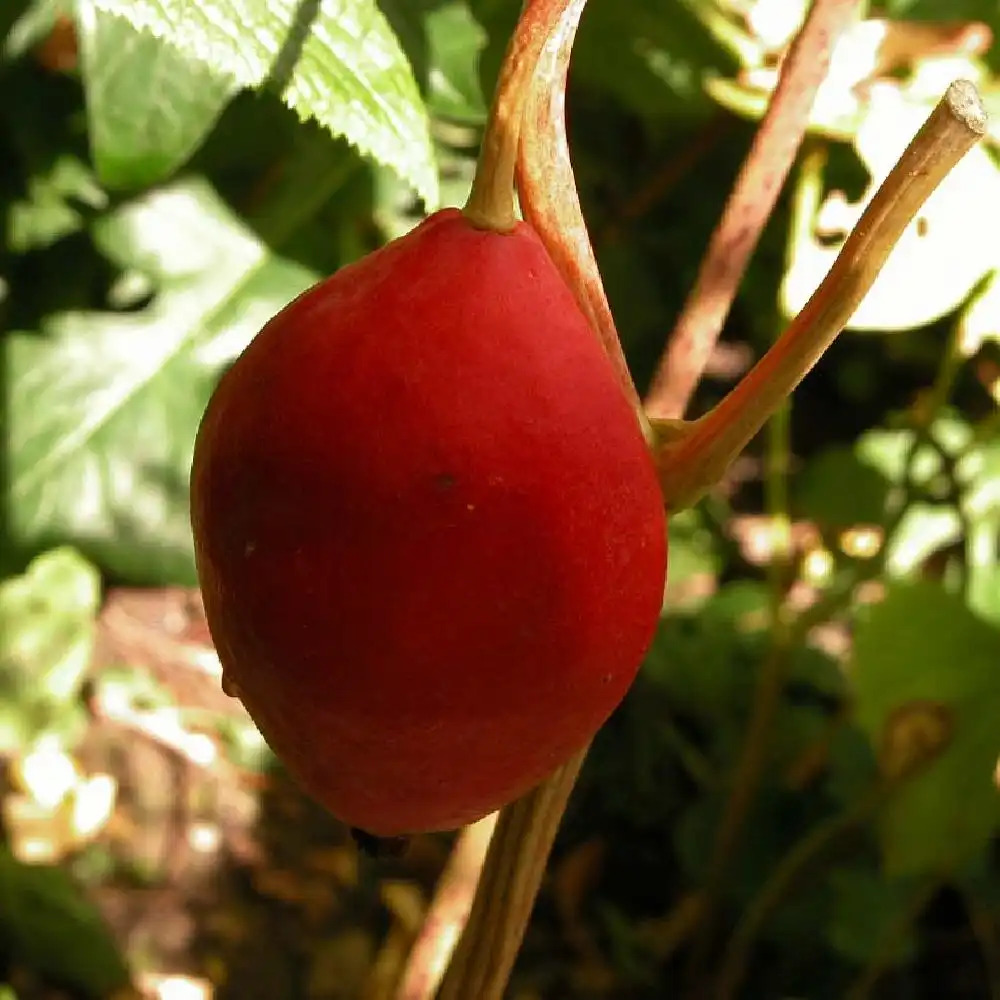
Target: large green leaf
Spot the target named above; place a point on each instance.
(922, 648)
(149, 104)
(333, 60)
(104, 406)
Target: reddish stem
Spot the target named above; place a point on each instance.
(549, 198)
(750, 205)
(448, 913)
(693, 456)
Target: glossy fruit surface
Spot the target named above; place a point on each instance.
(428, 529)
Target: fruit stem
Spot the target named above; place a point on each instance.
(492, 204)
(692, 457)
(549, 198)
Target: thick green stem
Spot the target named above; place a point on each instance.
(694, 456)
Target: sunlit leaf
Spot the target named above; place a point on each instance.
(104, 406)
(46, 639)
(149, 103)
(336, 61)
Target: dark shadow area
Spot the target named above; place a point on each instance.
(48, 263)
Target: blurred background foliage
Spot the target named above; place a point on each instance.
(798, 798)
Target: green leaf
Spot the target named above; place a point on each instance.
(853, 769)
(838, 490)
(104, 406)
(922, 645)
(46, 639)
(455, 40)
(981, 504)
(983, 588)
(333, 60)
(703, 662)
(52, 207)
(774, 821)
(869, 917)
(49, 926)
(925, 528)
(694, 553)
(887, 450)
(149, 104)
(443, 42)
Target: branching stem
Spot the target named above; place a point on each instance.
(694, 456)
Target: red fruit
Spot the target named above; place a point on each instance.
(428, 529)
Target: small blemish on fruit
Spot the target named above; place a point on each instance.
(470, 506)
(229, 687)
(444, 481)
(249, 548)
(606, 679)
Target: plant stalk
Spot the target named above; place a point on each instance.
(549, 198)
(448, 914)
(492, 204)
(510, 881)
(748, 208)
(694, 456)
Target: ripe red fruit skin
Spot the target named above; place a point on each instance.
(428, 530)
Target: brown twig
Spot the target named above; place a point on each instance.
(748, 209)
(448, 913)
